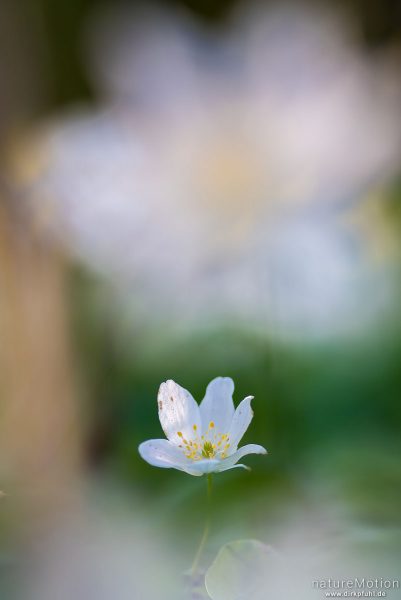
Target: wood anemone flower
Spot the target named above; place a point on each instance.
(200, 439)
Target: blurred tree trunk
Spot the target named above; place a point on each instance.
(39, 424)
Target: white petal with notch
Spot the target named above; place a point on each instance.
(240, 422)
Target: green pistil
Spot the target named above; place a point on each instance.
(208, 451)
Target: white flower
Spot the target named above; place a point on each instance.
(200, 439)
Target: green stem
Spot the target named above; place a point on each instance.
(206, 530)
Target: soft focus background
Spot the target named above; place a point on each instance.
(191, 189)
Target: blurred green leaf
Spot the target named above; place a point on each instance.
(238, 571)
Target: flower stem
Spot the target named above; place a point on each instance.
(206, 530)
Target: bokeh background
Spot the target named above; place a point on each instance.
(191, 189)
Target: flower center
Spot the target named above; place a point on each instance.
(210, 445)
(208, 450)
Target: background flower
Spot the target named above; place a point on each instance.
(210, 157)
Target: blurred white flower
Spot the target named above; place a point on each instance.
(211, 154)
(200, 439)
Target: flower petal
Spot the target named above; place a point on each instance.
(209, 465)
(230, 461)
(217, 405)
(178, 412)
(164, 454)
(240, 422)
